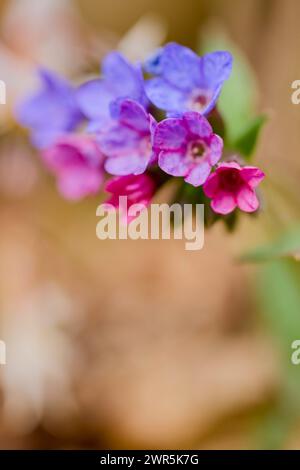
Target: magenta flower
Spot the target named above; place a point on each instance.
(127, 141)
(139, 189)
(232, 186)
(77, 163)
(187, 147)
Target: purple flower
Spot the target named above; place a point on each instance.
(51, 111)
(232, 186)
(187, 147)
(127, 141)
(120, 80)
(77, 163)
(185, 81)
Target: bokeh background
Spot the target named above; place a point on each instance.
(123, 344)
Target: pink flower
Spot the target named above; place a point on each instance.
(232, 186)
(139, 189)
(77, 163)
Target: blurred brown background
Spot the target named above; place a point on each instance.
(137, 344)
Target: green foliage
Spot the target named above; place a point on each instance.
(279, 291)
(238, 99)
(286, 246)
(246, 143)
(279, 296)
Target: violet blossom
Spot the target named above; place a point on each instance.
(187, 147)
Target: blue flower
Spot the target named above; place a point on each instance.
(120, 80)
(185, 81)
(153, 64)
(50, 112)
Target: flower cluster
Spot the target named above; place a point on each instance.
(142, 124)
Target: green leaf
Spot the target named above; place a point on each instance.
(238, 99)
(246, 143)
(279, 296)
(280, 300)
(287, 246)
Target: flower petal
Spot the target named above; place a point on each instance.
(174, 163)
(215, 68)
(213, 100)
(138, 188)
(153, 63)
(51, 111)
(43, 138)
(126, 164)
(164, 95)
(94, 98)
(53, 82)
(215, 149)
(198, 125)
(223, 203)
(226, 165)
(118, 140)
(126, 79)
(180, 66)
(41, 109)
(79, 181)
(170, 134)
(132, 114)
(60, 157)
(247, 199)
(72, 150)
(211, 185)
(199, 174)
(252, 175)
